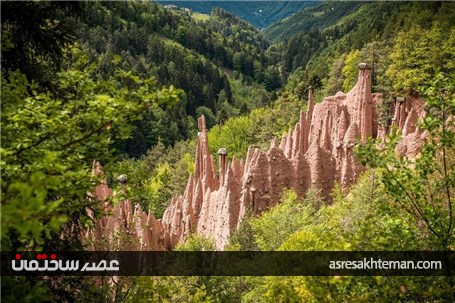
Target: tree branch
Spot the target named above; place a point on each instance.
(41, 140)
(414, 204)
(65, 146)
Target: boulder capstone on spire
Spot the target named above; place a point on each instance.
(316, 152)
(222, 153)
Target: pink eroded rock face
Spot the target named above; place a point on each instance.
(317, 152)
(122, 228)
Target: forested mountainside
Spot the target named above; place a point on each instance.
(378, 33)
(317, 17)
(195, 56)
(259, 13)
(124, 82)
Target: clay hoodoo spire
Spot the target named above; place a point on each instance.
(102, 191)
(303, 141)
(304, 125)
(362, 103)
(316, 152)
(205, 168)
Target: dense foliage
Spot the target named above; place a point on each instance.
(48, 145)
(424, 186)
(34, 35)
(123, 82)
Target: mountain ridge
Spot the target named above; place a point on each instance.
(259, 13)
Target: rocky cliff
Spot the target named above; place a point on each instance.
(317, 152)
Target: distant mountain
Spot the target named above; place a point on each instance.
(259, 13)
(310, 18)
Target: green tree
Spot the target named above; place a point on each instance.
(34, 35)
(48, 147)
(336, 77)
(351, 223)
(419, 53)
(49, 144)
(272, 78)
(158, 188)
(350, 70)
(196, 243)
(272, 228)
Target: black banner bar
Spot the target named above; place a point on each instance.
(229, 263)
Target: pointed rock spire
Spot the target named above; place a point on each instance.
(315, 152)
